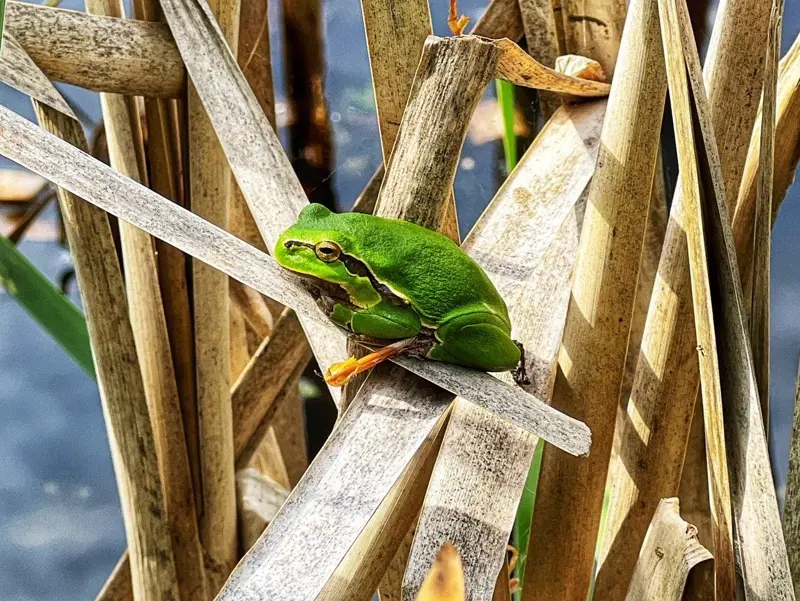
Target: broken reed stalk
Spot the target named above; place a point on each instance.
(76, 48)
(762, 244)
(165, 168)
(126, 151)
(310, 136)
(669, 552)
(594, 28)
(791, 511)
(210, 185)
(541, 38)
(253, 308)
(396, 32)
(707, 353)
(592, 356)
(532, 274)
(435, 112)
(133, 447)
(666, 379)
(761, 556)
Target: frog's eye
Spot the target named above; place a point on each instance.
(327, 251)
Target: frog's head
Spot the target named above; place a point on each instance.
(316, 247)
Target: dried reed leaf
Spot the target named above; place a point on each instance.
(20, 72)
(98, 53)
(665, 385)
(445, 580)
(593, 348)
(762, 245)
(103, 187)
(705, 327)
(526, 241)
(581, 67)
(253, 308)
(126, 149)
(518, 67)
(122, 393)
(670, 551)
(761, 552)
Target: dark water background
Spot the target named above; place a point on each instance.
(60, 523)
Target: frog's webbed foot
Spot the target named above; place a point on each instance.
(519, 372)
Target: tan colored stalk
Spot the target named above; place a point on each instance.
(592, 355)
(481, 469)
(391, 586)
(210, 183)
(707, 352)
(541, 38)
(133, 446)
(126, 151)
(77, 48)
(394, 54)
(791, 511)
(17, 185)
(670, 551)
(594, 28)
(762, 245)
(665, 384)
(165, 170)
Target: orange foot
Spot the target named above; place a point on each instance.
(339, 374)
(457, 24)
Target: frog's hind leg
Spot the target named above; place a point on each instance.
(476, 341)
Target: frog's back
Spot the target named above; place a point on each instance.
(421, 265)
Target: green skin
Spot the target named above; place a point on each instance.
(394, 280)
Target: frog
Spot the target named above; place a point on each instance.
(400, 287)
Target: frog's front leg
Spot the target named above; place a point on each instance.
(384, 321)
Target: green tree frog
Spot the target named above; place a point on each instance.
(391, 280)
